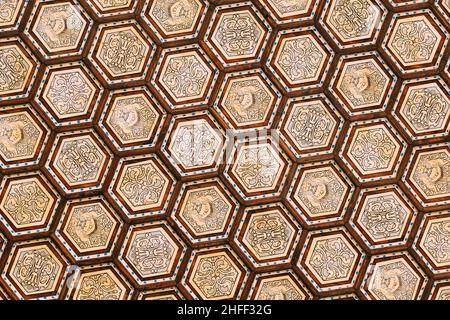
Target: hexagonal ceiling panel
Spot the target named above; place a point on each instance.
(122, 52)
(353, 23)
(58, 29)
(172, 20)
(300, 59)
(237, 34)
(414, 42)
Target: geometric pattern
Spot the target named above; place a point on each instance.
(431, 243)
(184, 77)
(151, 253)
(89, 228)
(123, 52)
(19, 70)
(35, 269)
(373, 150)
(225, 149)
(300, 59)
(205, 211)
(78, 161)
(247, 101)
(278, 286)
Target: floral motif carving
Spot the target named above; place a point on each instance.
(300, 59)
(89, 227)
(216, 276)
(142, 185)
(133, 118)
(321, 191)
(353, 19)
(175, 16)
(36, 270)
(393, 280)
(426, 108)
(247, 100)
(205, 210)
(151, 252)
(237, 35)
(99, 286)
(310, 125)
(436, 241)
(195, 144)
(108, 5)
(373, 149)
(363, 84)
(26, 202)
(257, 167)
(14, 69)
(69, 93)
(185, 76)
(414, 41)
(383, 216)
(59, 26)
(331, 258)
(123, 51)
(268, 235)
(432, 174)
(19, 136)
(79, 160)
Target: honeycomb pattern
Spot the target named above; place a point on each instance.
(225, 149)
